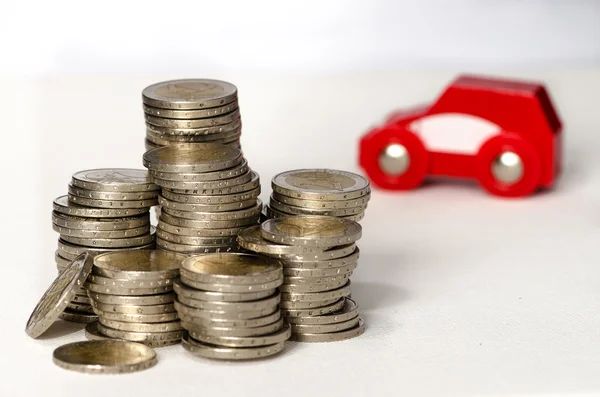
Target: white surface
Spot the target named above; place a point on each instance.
(66, 36)
(463, 294)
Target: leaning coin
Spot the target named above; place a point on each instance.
(110, 204)
(190, 207)
(188, 311)
(232, 268)
(249, 212)
(207, 321)
(251, 239)
(174, 238)
(141, 327)
(138, 231)
(139, 318)
(194, 232)
(325, 263)
(322, 204)
(77, 317)
(297, 305)
(325, 328)
(191, 293)
(324, 231)
(124, 291)
(247, 341)
(317, 296)
(110, 243)
(128, 283)
(142, 337)
(104, 357)
(316, 311)
(114, 179)
(194, 249)
(227, 173)
(211, 200)
(290, 209)
(133, 300)
(231, 307)
(236, 183)
(190, 132)
(328, 272)
(208, 223)
(228, 353)
(190, 113)
(134, 309)
(189, 94)
(195, 157)
(193, 123)
(310, 258)
(139, 265)
(320, 184)
(347, 312)
(92, 333)
(100, 195)
(64, 206)
(229, 188)
(57, 297)
(357, 330)
(73, 222)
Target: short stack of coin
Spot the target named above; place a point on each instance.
(192, 110)
(209, 194)
(319, 192)
(106, 210)
(318, 254)
(229, 304)
(132, 294)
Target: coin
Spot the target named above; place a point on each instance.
(134, 309)
(65, 248)
(120, 204)
(114, 179)
(187, 132)
(104, 357)
(211, 200)
(195, 249)
(133, 300)
(208, 223)
(195, 157)
(138, 318)
(225, 353)
(193, 123)
(143, 337)
(232, 268)
(249, 212)
(300, 305)
(189, 94)
(191, 207)
(124, 291)
(251, 239)
(110, 243)
(315, 311)
(357, 330)
(99, 224)
(289, 209)
(322, 204)
(320, 184)
(325, 328)
(311, 230)
(323, 264)
(231, 307)
(99, 195)
(83, 299)
(80, 307)
(129, 283)
(194, 232)
(318, 296)
(328, 272)
(309, 259)
(174, 238)
(316, 288)
(169, 139)
(237, 183)
(138, 265)
(247, 341)
(77, 317)
(347, 312)
(92, 333)
(141, 327)
(208, 321)
(189, 311)
(240, 169)
(195, 330)
(116, 234)
(59, 294)
(191, 113)
(64, 206)
(302, 280)
(184, 291)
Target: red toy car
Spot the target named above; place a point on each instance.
(506, 134)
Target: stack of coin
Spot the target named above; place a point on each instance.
(229, 304)
(106, 210)
(319, 192)
(318, 254)
(209, 194)
(132, 294)
(192, 110)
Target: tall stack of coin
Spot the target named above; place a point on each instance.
(229, 304)
(318, 254)
(319, 192)
(209, 194)
(132, 294)
(106, 210)
(192, 110)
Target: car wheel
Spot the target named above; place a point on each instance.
(394, 158)
(508, 166)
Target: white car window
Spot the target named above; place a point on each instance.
(454, 132)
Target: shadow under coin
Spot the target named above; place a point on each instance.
(371, 296)
(61, 328)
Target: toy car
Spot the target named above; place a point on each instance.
(505, 134)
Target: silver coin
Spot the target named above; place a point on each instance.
(231, 353)
(110, 243)
(168, 139)
(193, 157)
(211, 200)
(195, 331)
(100, 195)
(191, 207)
(134, 309)
(308, 258)
(191, 113)
(208, 186)
(184, 291)
(251, 239)
(104, 357)
(114, 180)
(193, 123)
(250, 218)
(315, 311)
(83, 299)
(347, 312)
(323, 264)
(317, 296)
(194, 249)
(192, 232)
(357, 330)
(189, 94)
(138, 318)
(327, 272)
(143, 337)
(289, 209)
(188, 311)
(110, 204)
(322, 204)
(194, 240)
(121, 291)
(320, 184)
(316, 288)
(302, 280)
(73, 222)
(273, 213)
(57, 297)
(325, 328)
(130, 283)
(248, 341)
(149, 300)
(123, 233)
(77, 317)
(66, 248)
(230, 188)
(233, 172)
(253, 211)
(187, 132)
(208, 321)
(228, 287)
(141, 327)
(232, 307)
(301, 305)
(64, 206)
(324, 231)
(148, 266)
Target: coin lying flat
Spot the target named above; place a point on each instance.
(111, 195)
(99, 224)
(194, 249)
(232, 268)
(191, 293)
(211, 200)
(310, 258)
(293, 210)
(189, 94)
(111, 204)
(190, 113)
(229, 353)
(209, 223)
(167, 140)
(138, 265)
(314, 311)
(188, 311)
(192, 207)
(134, 309)
(252, 239)
(320, 184)
(323, 264)
(125, 291)
(129, 283)
(133, 300)
(208, 321)
(322, 204)
(194, 232)
(318, 296)
(247, 341)
(77, 317)
(104, 357)
(305, 288)
(325, 328)
(353, 332)
(236, 183)
(141, 327)
(127, 242)
(64, 206)
(142, 337)
(196, 331)
(59, 294)
(83, 233)
(249, 212)
(235, 125)
(174, 238)
(328, 272)
(194, 157)
(227, 173)
(193, 123)
(138, 318)
(114, 180)
(347, 312)
(311, 230)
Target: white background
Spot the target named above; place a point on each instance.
(463, 294)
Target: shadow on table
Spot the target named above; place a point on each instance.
(61, 328)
